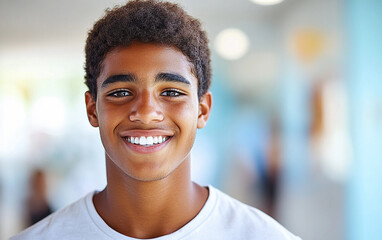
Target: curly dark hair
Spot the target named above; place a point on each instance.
(148, 21)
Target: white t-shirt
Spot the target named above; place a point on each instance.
(222, 217)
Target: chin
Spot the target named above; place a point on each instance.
(146, 172)
(150, 173)
(148, 177)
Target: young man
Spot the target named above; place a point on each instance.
(148, 73)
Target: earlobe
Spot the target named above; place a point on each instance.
(205, 105)
(91, 109)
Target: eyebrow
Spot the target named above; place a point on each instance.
(171, 77)
(118, 78)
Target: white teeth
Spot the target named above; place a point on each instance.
(150, 140)
(146, 141)
(142, 140)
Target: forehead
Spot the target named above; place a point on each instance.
(145, 60)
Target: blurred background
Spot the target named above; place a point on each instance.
(296, 126)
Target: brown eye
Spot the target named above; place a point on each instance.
(120, 93)
(172, 93)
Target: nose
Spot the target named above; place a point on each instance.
(146, 109)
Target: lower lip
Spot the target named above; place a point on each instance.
(142, 149)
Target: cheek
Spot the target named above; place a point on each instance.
(109, 114)
(108, 120)
(185, 114)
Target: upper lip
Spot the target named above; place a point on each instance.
(145, 133)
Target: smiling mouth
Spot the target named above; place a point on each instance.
(147, 141)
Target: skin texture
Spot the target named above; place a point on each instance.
(149, 194)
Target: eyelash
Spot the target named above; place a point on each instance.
(174, 91)
(119, 91)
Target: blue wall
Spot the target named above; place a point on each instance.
(364, 70)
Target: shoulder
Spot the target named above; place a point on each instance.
(58, 224)
(247, 221)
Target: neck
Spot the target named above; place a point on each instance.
(138, 208)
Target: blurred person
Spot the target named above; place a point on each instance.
(148, 72)
(329, 138)
(270, 178)
(37, 203)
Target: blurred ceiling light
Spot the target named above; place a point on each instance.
(231, 43)
(267, 2)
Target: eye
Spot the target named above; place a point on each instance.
(120, 93)
(172, 93)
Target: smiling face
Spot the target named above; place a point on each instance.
(147, 109)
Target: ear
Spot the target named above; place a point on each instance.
(205, 105)
(91, 109)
